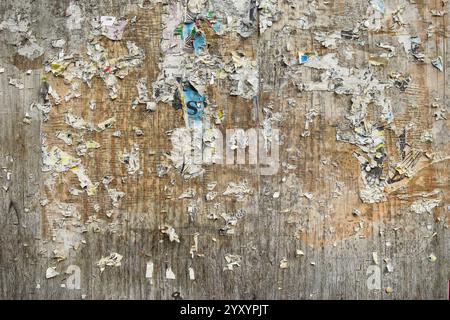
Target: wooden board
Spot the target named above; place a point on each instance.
(337, 260)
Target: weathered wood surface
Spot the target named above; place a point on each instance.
(337, 245)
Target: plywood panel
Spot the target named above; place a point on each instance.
(303, 232)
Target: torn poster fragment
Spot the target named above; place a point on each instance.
(238, 190)
(232, 261)
(113, 260)
(109, 26)
(51, 272)
(194, 103)
(170, 232)
(170, 274)
(438, 64)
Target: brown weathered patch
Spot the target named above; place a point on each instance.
(23, 63)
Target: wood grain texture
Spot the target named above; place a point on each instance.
(338, 246)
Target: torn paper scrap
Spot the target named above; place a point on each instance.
(113, 260)
(232, 261)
